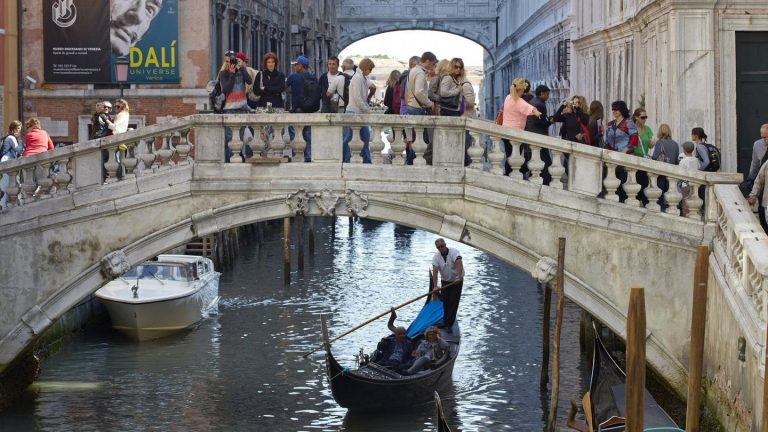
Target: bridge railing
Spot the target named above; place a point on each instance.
(599, 173)
(740, 247)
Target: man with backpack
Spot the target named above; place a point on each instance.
(304, 97)
(358, 104)
(328, 104)
(339, 90)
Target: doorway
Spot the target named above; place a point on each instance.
(751, 93)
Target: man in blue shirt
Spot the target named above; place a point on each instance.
(295, 83)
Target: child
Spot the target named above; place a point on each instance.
(688, 161)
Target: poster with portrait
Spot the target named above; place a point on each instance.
(82, 39)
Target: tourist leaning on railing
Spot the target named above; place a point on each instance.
(11, 149)
(36, 140)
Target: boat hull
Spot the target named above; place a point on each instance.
(146, 321)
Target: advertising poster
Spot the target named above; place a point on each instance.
(83, 38)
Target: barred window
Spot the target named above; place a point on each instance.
(564, 59)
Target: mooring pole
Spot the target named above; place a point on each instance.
(634, 390)
(545, 335)
(311, 236)
(698, 321)
(552, 417)
(300, 240)
(287, 250)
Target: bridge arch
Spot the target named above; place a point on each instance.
(415, 215)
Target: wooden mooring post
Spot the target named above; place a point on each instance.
(547, 306)
(634, 390)
(300, 241)
(311, 236)
(287, 250)
(552, 416)
(698, 321)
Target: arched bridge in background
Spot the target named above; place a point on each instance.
(474, 20)
(64, 235)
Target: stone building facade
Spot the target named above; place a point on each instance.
(207, 29)
(534, 43)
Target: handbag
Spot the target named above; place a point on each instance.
(253, 97)
(500, 117)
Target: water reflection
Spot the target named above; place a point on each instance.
(243, 369)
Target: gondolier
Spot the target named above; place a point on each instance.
(447, 262)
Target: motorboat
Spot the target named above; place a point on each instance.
(163, 296)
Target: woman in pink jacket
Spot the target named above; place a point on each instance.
(516, 112)
(36, 140)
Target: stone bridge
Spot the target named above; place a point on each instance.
(66, 234)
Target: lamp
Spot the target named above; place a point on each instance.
(121, 72)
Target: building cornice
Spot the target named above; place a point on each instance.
(634, 24)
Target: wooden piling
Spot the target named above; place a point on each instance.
(698, 321)
(311, 236)
(634, 390)
(300, 241)
(544, 378)
(552, 417)
(287, 250)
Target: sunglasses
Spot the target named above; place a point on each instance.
(644, 117)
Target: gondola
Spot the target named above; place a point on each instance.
(441, 424)
(603, 404)
(371, 386)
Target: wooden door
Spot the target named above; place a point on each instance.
(751, 92)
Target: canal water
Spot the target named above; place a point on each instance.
(243, 370)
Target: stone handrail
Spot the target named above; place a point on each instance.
(577, 167)
(740, 247)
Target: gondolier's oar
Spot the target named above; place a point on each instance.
(387, 312)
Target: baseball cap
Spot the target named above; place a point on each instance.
(301, 60)
(242, 57)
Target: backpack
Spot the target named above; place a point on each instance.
(215, 97)
(434, 89)
(345, 94)
(2, 146)
(396, 89)
(714, 157)
(310, 94)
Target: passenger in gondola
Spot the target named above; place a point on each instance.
(395, 350)
(430, 351)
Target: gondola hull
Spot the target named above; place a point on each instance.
(372, 387)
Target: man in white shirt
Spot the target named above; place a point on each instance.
(448, 264)
(358, 104)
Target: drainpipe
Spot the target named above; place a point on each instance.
(19, 73)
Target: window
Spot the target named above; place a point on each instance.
(564, 59)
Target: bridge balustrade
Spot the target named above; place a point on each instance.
(596, 172)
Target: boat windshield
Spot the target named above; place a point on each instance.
(162, 271)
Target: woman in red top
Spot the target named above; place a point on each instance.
(36, 140)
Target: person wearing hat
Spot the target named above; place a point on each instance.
(253, 74)
(233, 80)
(295, 83)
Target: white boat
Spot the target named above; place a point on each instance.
(162, 296)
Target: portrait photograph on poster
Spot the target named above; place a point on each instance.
(82, 39)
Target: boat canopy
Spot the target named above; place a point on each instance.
(163, 271)
(431, 314)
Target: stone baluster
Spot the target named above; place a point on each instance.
(63, 178)
(556, 170)
(28, 185)
(356, 145)
(299, 144)
(276, 143)
(516, 160)
(632, 188)
(672, 197)
(44, 180)
(13, 189)
(693, 202)
(496, 156)
(166, 151)
(536, 165)
(235, 145)
(111, 165)
(129, 158)
(256, 145)
(183, 148)
(148, 156)
(611, 183)
(376, 145)
(652, 192)
(397, 145)
(475, 151)
(419, 147)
